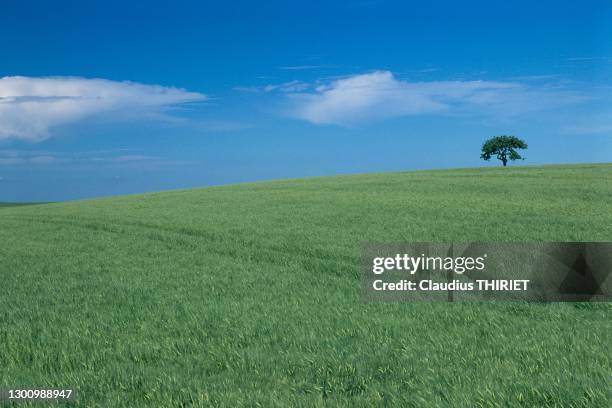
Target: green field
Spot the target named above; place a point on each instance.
(249, 295)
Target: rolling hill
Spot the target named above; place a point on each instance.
(250, 294)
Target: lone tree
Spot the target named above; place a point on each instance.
(504, 148)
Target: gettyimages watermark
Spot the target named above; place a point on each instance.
(536, 272)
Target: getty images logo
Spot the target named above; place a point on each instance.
(412, 264)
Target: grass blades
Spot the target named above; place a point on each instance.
(248, 295)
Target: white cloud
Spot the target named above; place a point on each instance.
(380, 95)
(30, 107)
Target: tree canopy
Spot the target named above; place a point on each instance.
(504, 148)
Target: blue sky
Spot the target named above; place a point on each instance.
(107, 98)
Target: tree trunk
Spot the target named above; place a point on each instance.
(505, 161)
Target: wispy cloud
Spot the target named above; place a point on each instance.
(599, 124)
(584, 59)
(13, 158)
(30, 107)
(534, 78)
(133, 158)
(427, 70)
(291, 86)
(285, 87)
(380, 95)
(40, 158)
(593, 129)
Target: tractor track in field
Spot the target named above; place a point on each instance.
(216, 243)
